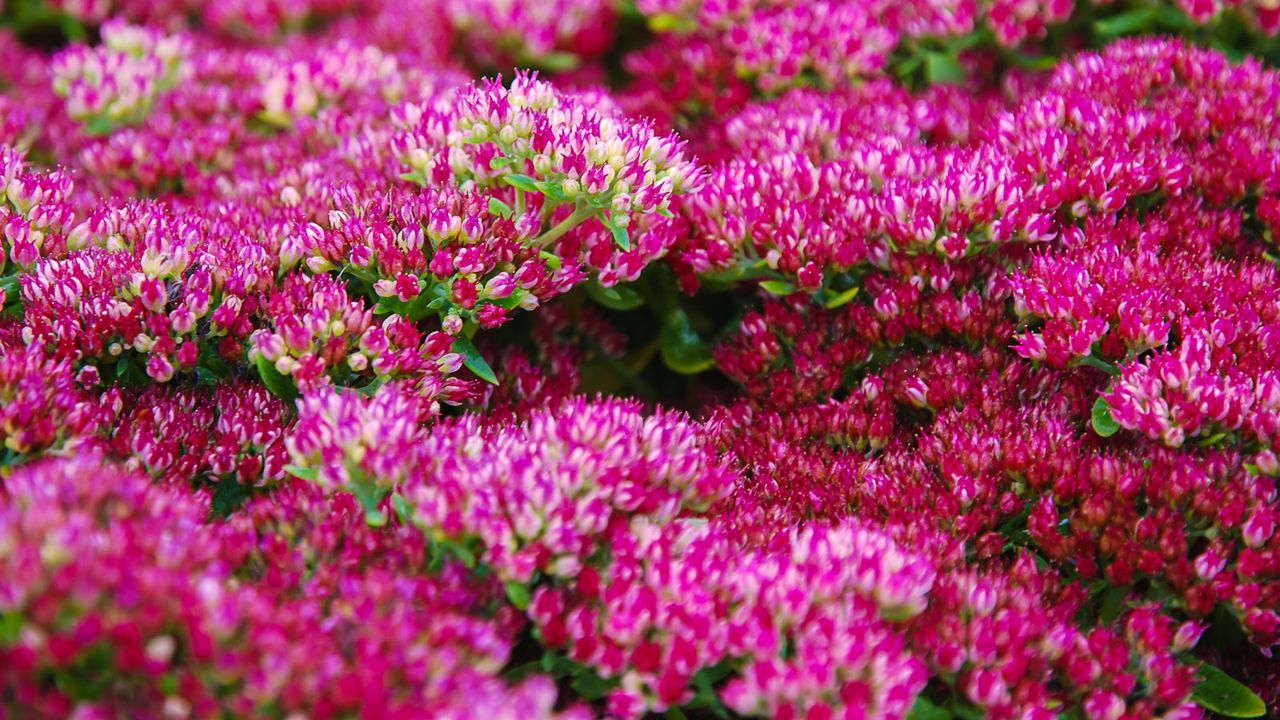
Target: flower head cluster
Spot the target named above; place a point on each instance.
(958, 362)
(188, 622)
(35, 215)
(117, 82)
(555, 35)
(808, 629)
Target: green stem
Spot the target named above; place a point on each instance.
(579, 214)
(1100, 364)
(519, 203)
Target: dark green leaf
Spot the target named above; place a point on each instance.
(1103, 423)
(925, 710)
(1219, 692)
(1126, 23)
(474, 361)
(707, 697)
(228, 496)
(619, 297)
(683, 350)
(1114, 601)
(281, 386)
(557, 665)
(735, 274)
(372, 388)
(590, 686)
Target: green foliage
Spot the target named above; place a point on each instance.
(1218, 692)
(279, 385)
(619, 297)
(474, 361)
(1103, 423)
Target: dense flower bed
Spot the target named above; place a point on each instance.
(598, 358)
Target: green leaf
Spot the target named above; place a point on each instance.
(521, 182)
(778, 287)
(556, 665)
(551, 259)
(1103, 423)
(372, 388)
(228, 496)
(10, 628)
(1219, 692)
(403, 509)
(590, 686)
(682, 348)
(499, 208)
(737, 273)
(620, 237)
(281, 386)
(1174, 19)
(1114, 601)
(664, 22)
(71, 28)
(925, 710)
(474, 361)
(518, 594)
(943, 69)
(557, 61)
(707, 697)
(1126, 23)
(306, 473)
(99, 126)
(370, 495)
(619, 297)
(842, 299)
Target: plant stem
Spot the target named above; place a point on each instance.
(579, 214)
(1100, 364)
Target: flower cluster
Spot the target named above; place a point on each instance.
(36, 212)
(118, 81)
(752, 358)
(187, 622)
(804, 630)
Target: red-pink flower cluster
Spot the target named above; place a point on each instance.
(341, 376)
(120, 599)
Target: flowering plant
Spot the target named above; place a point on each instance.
(590, 358)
